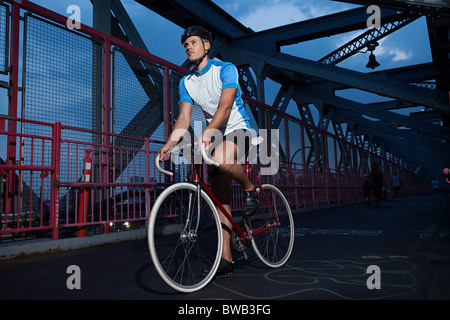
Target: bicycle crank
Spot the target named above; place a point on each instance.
(239, 244)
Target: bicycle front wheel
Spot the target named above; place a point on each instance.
(185, 237)
(272, 228)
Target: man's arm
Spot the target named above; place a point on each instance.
(179, 130)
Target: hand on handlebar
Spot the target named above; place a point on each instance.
(207, 159)
(164, 152)
(204, 138)
(205, 156)
(204, 143)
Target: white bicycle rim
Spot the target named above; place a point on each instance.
(151, 238)
(290, 232)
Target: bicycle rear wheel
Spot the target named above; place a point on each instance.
(272, 228)
(185, 244)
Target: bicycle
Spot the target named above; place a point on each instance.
(185, 233)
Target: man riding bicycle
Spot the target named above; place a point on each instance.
(214, 86)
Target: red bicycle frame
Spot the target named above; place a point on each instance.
(239, 230)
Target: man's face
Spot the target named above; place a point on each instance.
(194, 48)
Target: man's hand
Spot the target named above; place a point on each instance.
(205, 137)
(164, 152)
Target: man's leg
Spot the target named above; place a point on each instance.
(221, 187)
(227, 155)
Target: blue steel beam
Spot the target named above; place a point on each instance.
(185, 13)
(393, 119)
(431, 158)
(337, 23)
(423, 7)
(406, 140)
(368, 82)
(418, 72)
(325, 93)
(259, 50)
(355, 45)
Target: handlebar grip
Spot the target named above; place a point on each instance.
(161, 169)
(206, 158)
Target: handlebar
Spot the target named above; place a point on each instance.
(159, 167)
(205, 156)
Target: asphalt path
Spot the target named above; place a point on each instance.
(398, 251)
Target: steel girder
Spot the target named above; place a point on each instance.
(273, 39)
(374, 83)
(389, 86)
(369, 37)
(185, 13)
(397, 144)
(260, 52)
(151, 115)
(425, 7)
(379, 84)
(325, 94)
(381, 132)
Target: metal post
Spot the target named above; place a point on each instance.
(54, 193)
(147, 178)
(336, 172)
(326, 165)
(84, 194)
(106, 125)
(167, 100)
(167, 118)
(12, 106)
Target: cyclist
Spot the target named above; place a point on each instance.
(213, 85)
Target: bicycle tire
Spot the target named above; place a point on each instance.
(273, 246)
(186, 260)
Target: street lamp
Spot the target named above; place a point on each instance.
(373, 63)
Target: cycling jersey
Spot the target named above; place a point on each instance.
(204, 89)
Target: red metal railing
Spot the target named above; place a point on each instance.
(42, 177)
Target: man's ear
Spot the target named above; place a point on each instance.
(207, 45)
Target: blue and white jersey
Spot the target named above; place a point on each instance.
(204, 89)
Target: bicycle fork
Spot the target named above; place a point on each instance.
(189, 233)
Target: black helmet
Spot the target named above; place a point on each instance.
(196, 31)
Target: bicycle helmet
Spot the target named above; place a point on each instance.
(196, 31)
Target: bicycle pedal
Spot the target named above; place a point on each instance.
(243, 257)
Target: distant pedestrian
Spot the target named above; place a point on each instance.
(397, 186)
(376, 177)
(446, 172)
(367, 189)
(435, 184)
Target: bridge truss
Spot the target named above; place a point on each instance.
(99, 88)
(416, 139)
